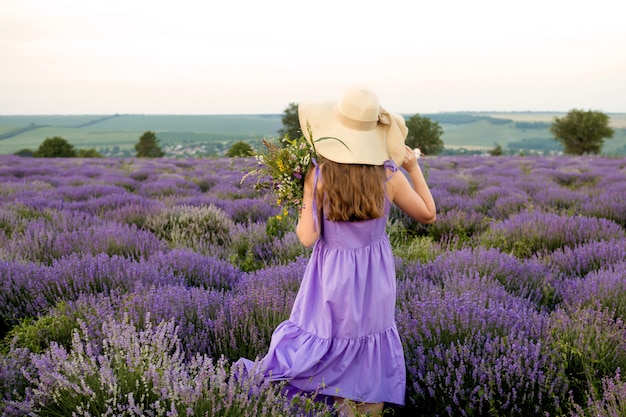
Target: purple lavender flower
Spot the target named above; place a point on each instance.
(609, 401)
(198, 270)
(609, 204)
(253, 248)
(528, 233)
(604, 287)
(577, 261)
(143, 372)
(471, 347)
(28, 290)
(38, 243)
(591, 343)
(528, 279)
(517, 302)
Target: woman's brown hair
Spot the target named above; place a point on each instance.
(352, 192)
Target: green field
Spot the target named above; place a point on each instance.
(519, 132)
(204, 135)
(120, 132)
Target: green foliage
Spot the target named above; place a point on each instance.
(154, 380)
(278, 226)
(240, 149)
(205, 184)
(576, 181)
(458, 227)
(148, 146)
(25, 153)
(36, 334)
(608, 401)
(291, 123)
(591, 345)
(419, 249)
(88, 153)
(496, 151)
(192, 227)
(55, 147)
(582, 132)
(425, 134)
(244, 248)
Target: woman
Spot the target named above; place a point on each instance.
(341, 337)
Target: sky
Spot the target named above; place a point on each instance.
(257, 57)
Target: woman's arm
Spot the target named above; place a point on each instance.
(416, 201)
(306, 229)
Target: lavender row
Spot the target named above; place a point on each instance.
(500, 303)
(467, 339)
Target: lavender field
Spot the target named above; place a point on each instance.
(130, 286)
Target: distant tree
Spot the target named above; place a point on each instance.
(424, 134)
(291, 123)
(55, 147)
(28, 153)
(240, 148)
(148, 146)
(582, 132)
(89, 153)
(496, 151)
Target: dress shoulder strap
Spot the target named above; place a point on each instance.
(391, 165)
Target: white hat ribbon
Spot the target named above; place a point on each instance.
(383, 117)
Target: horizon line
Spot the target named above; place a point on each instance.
(279, 114)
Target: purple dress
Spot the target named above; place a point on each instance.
(341, 337)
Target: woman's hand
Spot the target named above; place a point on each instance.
(410, 159)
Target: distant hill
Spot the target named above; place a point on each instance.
(515, 132)
(115, 135)
(208, 135)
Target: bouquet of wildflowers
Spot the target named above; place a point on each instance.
(283, 168)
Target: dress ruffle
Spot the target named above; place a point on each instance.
(369, 369)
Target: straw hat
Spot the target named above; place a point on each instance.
(366, 133)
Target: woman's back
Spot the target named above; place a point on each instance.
(346, 235)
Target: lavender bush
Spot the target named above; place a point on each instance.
(528, 233)
(604, 288)
(190, 226)
(254, 248)
(29, 290)
(130, 286)
(143, 372)
(577, 261)
(591, 344)
(41, 244)
(527, 279)
(610, 401)
(479, 349)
